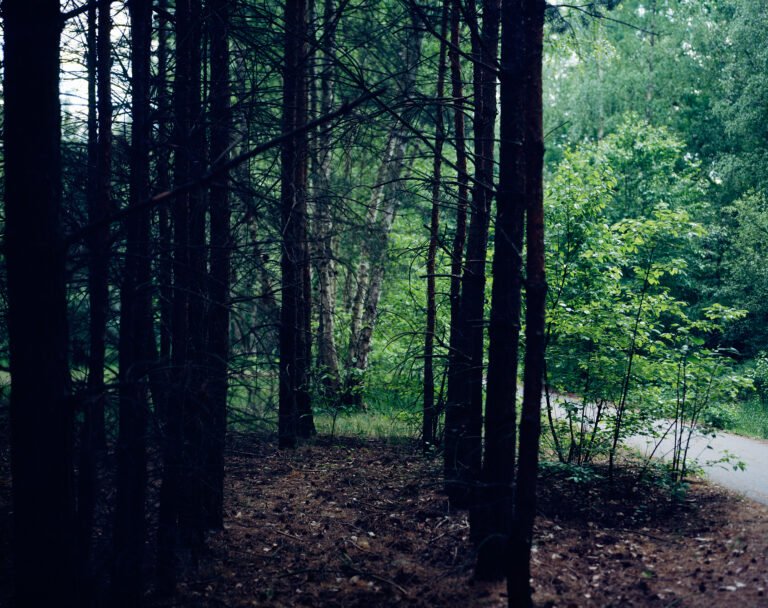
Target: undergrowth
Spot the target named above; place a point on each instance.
(750, 418)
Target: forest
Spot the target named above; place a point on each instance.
(383, 302)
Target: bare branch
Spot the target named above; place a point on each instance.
(218, 170)
(589, 10)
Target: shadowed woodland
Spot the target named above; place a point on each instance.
(357, 302)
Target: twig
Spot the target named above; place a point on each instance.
(83, 9)
(381, 579)
(289, 535)
(590, 12)
(640, 533)
(303, 571)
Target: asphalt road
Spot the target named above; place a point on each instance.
(707, 450)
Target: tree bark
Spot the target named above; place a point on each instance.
(462, 177)
(462, 201)
(219, 278)
(370, 270)
(382, 208)
(41, 411)
(93, 439)
(429, 420)
(463, 423)
(519, 574)
(178, 405)
(325, 247)
(168, 410)
(86, 478)
(99, 290)
(295, 414)
(493, 510)
(163, 258)
(135, 332)
(196, 418)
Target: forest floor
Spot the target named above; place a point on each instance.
(364, 523)
(354, 522)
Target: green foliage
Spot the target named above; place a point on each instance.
(577, 474)
(750, 417)
(656, 215)
(760, 376)
(662, 476)
(652, 168)
(743, 103)
(692, 77)
(619, 335)
(368, 424)
(661, 60)
(743, 268)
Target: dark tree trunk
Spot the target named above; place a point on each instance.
(175, 489)
(135, 332)
(464, 411)
(165, 238)
(160, 332)
(306, 423)
(100, 243)
(93, 438)
(218, 316)
(173, 308)
(325, 257)
(429, 421)
(518, 581)
(492, 513)
(86, 480)
(295, 414)
(197, 402)
(41, 411)
(462, 177)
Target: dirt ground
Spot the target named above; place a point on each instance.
(354, 523)
(364, 524)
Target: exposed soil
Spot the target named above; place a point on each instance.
(364, 523)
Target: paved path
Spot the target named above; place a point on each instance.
(752, 481)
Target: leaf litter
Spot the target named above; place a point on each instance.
(363, 523)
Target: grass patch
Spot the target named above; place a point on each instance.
(386, 424)
(368, 424)
(750, 418)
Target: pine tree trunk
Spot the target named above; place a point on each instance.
(135, 332)
(219, 278)
(197, 402)
(178, 406)
(429, 421)
(41, 411)
(86, 478)
(493, 509)
(163, 260)
(518, 577)
(172, 308)
(460, 236)
(295, 415)
(463, 425)
(462, 177)
(99, 290)
(93, 438)
(325, 255)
